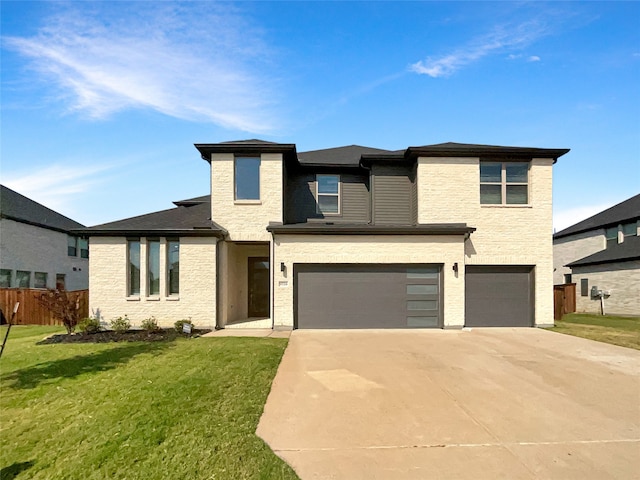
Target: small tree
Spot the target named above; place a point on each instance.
(63, 305)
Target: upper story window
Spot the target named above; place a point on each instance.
(72, 246)
(504, 183)
(328, 193)
(83, 245)
(630, 229)
(247, 178)
(611, 234)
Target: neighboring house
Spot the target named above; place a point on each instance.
(37, 248)
(602, 253)
(443, 236)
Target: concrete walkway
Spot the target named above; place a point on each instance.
(479, 404)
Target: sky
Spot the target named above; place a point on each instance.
(101, 102)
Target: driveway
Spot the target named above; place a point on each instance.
(479, 404)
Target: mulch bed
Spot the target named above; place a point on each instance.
(106, 336)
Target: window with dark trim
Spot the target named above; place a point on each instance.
(504, 183)
(247, 178)
(173, 266)
(328, 194)
(153, 266)
(5, 278)
(23, 279)
(567, 278)
(72, 246)
(584, 287)
(133, 267)
(40, 280)
(611, 234)
(83, 245)
(60, 281)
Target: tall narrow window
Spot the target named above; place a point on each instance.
(83, 244)
(133, 253)
(153, 266)
(505, 183)
(173, 266)
(60, 281)
(23, 279)
(247, 178)
(72, 248)
(5, 278)
(612, 236)
(328, 189)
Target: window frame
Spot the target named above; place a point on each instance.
(504, 183)
(235, 179)
(18, 272)
(156, 257)
(59, 277)
(130, 291)
(70, 252)
(169, 269)
(37, 277)
(9, 272)
(325, 194)
(82, 242)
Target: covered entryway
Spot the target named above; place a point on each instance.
(367, 296)
(499, 296)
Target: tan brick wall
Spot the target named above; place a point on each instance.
(622, 280)
(572, 248)
(34, 249)
(246, 220)
(292, 249)
(108, 283)
(449, 191)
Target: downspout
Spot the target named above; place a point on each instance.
(370, 190)
(218, 327)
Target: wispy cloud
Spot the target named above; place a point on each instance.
(501, 39)
(58, 185)
(194, 61)
(533, 58)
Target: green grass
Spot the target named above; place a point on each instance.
(164, 410)
(623, 331)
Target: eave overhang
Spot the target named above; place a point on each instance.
(485, 151)
(350, 229)
(195, 232)
(240, 148)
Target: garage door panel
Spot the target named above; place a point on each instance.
(365, 296)
(499, 296)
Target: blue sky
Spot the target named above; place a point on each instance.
(102, 102)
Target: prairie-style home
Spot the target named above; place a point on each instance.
(437, 236)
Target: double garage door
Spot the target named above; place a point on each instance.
(367, 296)
(407, 296)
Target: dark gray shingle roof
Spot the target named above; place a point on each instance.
(623, 212)
(620, 252)
(348, 156)
(191, 217)
(15, 206)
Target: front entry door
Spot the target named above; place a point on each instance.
(258, 286)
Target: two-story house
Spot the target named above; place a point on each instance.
(439, 236)
(37, 246)
(602, 253)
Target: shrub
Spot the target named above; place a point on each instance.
(178, 325)
(64, 306)
(150, 324)
(89, 325)
(120, 324)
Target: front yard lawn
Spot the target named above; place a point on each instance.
(184, 409)
(623, 331)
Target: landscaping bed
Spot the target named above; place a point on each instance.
(107, 336)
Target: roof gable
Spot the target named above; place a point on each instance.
(347, 156)
(15, 206)
(623, 212)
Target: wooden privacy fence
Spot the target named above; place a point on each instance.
(31, 312)
(564, 299)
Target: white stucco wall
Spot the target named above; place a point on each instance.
(621, 279)
(572, 248)
(449, 191)
(108, 283)
(35, 249)
(445, 250)
(246, 220)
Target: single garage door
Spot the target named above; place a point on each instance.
(499, 296)
(367, 296)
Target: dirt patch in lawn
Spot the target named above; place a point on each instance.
(107, 336)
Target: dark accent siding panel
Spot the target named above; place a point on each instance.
(499, 296)
(354, 198)
(300, 202)
(393, 191)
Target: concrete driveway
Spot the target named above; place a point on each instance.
(480, 404)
